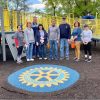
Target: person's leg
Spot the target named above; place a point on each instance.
(85, 51)
(37, 51)
(21, 51)
(51, 49)
(77, 43)
(89, 51)
(62, 48)
(67, 49)
(40, 51)
(34, 50)
(31, 51)
(55, 49)
(18, 55)
(44, 52)
(28, 53)
(76, 55)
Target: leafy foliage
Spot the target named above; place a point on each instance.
(78, 7)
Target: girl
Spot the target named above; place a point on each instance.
(86, 39)
(77, 39)
(41, 41)
(29, 40)
(19, 41)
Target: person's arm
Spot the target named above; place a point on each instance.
(58, 31)
(46, 37)
(69, 34)
(37, 38)
(82, 36)
(48, 33)
(16, 40)
(26, 37)
(91, 34)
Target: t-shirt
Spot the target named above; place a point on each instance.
(54, 33)
(77, 32)
(87, 36)
(29, 35)
(20, 37)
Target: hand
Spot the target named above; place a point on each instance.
(37, 43)
(69, 41)
(42, 41)
(26, 45)
(75, 37)
(57, 41)
(85, 43)
(17, 46)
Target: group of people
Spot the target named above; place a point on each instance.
(36, 39)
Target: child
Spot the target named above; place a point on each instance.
(41, 41)
(19, 41)
(86, 39)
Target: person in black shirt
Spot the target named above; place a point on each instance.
(35, 29)
(65, 35)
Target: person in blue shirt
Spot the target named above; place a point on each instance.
(76, 34)
(41, 41)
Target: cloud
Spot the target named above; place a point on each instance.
(40, 1)
(37, 6)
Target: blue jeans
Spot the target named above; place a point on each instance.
(42, 50)
(53, 49)
(29, 51)
(34, 50)
(64, 43)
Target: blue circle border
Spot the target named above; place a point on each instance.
(14, 80)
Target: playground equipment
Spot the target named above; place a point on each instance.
(10, 22)
(11, 44)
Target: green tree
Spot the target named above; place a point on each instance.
(78, 7)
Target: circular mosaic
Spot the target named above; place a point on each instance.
(43, 78)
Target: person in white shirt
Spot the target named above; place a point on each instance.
(29, 40)
(86, 39)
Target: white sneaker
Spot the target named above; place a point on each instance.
(40, 58)
(28, 60)
(31, 59)
(45, 58)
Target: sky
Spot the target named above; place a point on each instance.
(36, 4)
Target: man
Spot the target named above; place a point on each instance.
(65, 35)
(35, 28)
(54, 35)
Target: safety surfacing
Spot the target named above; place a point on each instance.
(44, 78)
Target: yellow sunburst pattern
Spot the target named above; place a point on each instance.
(44, 76)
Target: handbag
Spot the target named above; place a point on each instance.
(73, 45)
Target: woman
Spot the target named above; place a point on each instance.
(29, 41)
(19, 41)
(41, 41)
(86, 39)
(77, 39)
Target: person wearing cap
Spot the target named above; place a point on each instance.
(65, 35)
(86, 39)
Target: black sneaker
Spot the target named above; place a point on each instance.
(89, 60)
